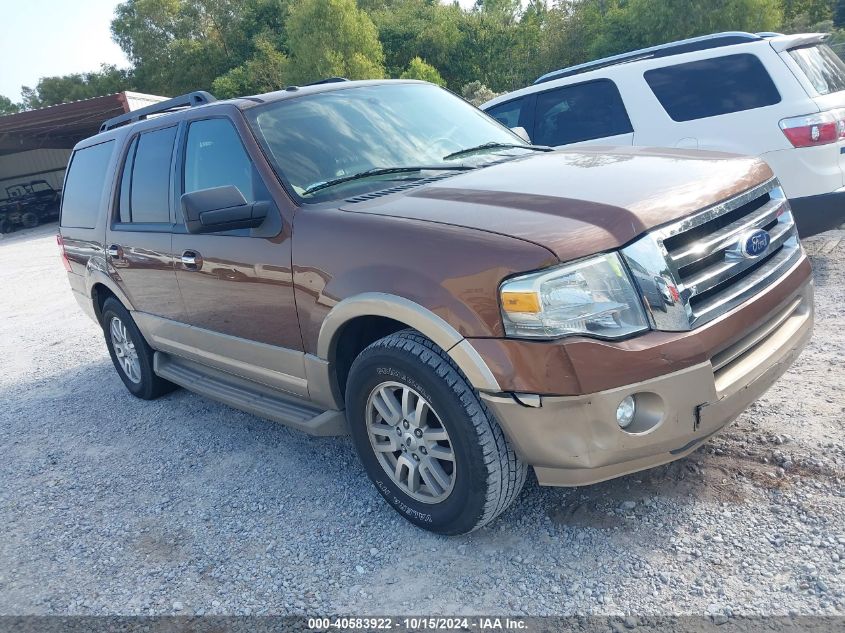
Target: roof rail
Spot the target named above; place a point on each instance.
(704, 42)
(327, 80)
(189, 100)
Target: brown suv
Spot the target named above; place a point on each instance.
(383, 259)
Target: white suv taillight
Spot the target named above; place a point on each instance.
(65, 261)
(815, 129)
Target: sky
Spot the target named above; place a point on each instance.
(43, 38)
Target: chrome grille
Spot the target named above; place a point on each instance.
(694, 270)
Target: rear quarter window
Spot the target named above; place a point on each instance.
(821, 66)
(712, 87)
(83, 189)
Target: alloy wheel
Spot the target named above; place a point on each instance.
(125, 351)
(410, 441)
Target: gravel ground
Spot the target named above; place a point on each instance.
(112, 505)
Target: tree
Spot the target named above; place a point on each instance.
(7, 106)
(419, 69)
(265, 71)
(640, 23)
(177, 46)
(812, 11)
(508, 9)
(477, 93)
(839, 14)
(329, 38)
(422, 28)
(75, 87)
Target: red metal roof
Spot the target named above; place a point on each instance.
(59, 126)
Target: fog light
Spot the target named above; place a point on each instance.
(625, 412)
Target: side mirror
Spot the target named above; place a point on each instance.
(522, 133)
(221, 209)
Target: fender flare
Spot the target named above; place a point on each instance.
(415, 316)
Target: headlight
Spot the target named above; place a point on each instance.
(594, 297)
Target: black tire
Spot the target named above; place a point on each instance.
(150, 386)
(6, 226)
(488, 475)
(30, 220)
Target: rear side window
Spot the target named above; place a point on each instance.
(822, 67)
(711, 87)
(580, 112)
(83, 190)
(215, 157)
(145, 180)
(507, 113)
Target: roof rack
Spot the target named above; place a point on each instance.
(190, 100)
(327, 80)
(704, 42)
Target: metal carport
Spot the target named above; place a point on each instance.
(36, 144)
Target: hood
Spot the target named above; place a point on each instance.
(576, 203)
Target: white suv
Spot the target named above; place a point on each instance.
(780, 97)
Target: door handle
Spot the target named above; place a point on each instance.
(115, 251)
(191, 260)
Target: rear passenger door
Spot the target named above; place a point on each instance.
(237, 285)
(138, 238)
(589, 113)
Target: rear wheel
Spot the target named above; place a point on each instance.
(426, 440)
(132, 357)
(6, 226)
(30, 220)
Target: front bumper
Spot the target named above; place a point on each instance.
(575, 440)
(816, 214)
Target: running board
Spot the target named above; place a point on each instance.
(250, 396)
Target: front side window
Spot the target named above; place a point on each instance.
(314, 139)
(712, 87)
(508, 113)
(83, 190)
(145, 181)
(580, 112)
(822, 67)
(215, 157)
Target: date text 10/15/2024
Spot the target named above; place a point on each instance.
(416, 623)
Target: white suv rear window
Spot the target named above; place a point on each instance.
(714, 86)
(822, 67)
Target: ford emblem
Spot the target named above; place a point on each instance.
(754, 243)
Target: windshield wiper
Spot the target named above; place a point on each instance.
(378, 171)
(496, 145)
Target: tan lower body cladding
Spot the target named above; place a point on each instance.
(576, 440)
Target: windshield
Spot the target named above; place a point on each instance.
(327, 136)
(822, 67)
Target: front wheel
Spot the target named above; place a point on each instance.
(427, 442)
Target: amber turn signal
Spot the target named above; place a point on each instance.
(520, 302)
